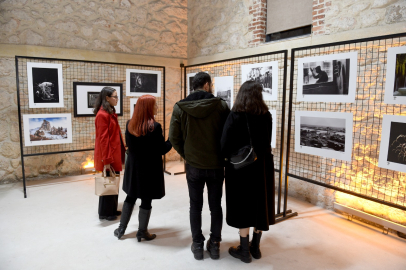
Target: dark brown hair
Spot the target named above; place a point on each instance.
(249, 99)
(102, 102)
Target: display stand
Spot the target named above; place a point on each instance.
(83, 127)
(232, 67)
(361, 177)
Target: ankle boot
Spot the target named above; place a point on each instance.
(143, 220)
(242, 252)
(125, 218)
(254, 245)
(213, 248)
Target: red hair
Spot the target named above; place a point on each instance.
(142, 119)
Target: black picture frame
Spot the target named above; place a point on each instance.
(77, 85)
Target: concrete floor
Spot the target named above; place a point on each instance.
(57, 227)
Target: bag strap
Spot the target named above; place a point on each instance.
(248, 126)
(112, 172)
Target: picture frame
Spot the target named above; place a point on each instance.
(266, 74)
(189, 85)
(325, 134)
(327, 78)
(392, 154)
(47, 129)
(143, 82)
(84, 93)
(395, 86)
(133, 102)
(224, 88)
(274, 127)
(45, 85)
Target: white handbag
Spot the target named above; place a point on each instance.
(107, 185)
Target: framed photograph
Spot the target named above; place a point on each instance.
(274, 128)
(325, 134)
(189, 83)
(223, 88)
(392, 154)
(395, 87)
(85, 95)
(133, 102)
(45, 85)
(142, 82)
(327, 78)
(46, 129)
(264, 73)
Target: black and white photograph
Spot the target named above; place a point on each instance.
(91, 99)
(274, 127)
(392, 153)
(85, 95)
(264, 73)
(224, 88)
(327, 78)
(45, 85)
(326, 134)
(395, 87)
(189, 83)
(46, 129)
(133, 102)
(142, 82)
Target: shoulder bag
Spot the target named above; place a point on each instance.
(245, 155)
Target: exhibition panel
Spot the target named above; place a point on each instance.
(270, 70)
(346, 122)
(56, 98)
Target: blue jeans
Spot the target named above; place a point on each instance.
(196, 179)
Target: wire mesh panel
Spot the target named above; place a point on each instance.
(232, 67)
(83, 128)
(360, 176)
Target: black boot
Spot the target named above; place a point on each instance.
(241, 252)
(213, 248)
(125, 218)
(143, 220)
(254, 245)
(197, 249)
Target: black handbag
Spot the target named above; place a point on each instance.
(245, 155)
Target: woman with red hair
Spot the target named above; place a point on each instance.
(143, 175)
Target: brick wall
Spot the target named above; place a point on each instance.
(258, 23)
(319, 9)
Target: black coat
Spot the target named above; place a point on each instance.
(250, 191)
(144, 176)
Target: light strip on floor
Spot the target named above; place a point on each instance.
(385, 223)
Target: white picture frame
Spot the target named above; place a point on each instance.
(45, 85)
(267, 74)
(392, 154)
(340, 86)
(133, 101)
(82, 91)
(392, 95)
(274, 127)
(189, 79)
(224, 88)
(143, 82)
(316, 126)
(48, 132)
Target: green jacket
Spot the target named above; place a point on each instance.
(196, 128)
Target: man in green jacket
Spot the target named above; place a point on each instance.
(195, 133)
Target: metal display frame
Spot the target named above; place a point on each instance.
(115, 69)
(372, 52)
(236, 63)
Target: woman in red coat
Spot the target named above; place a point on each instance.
(109, 150)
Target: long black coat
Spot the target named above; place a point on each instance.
(250, 191)
(144, 176)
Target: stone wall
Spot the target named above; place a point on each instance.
(147, 27)
(345, 15)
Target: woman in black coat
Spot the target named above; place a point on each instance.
(143, 175)
(250, 191)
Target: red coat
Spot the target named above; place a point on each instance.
(109, 147)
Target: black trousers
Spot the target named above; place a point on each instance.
(145, 203)
(196, 179)
(108, 204)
